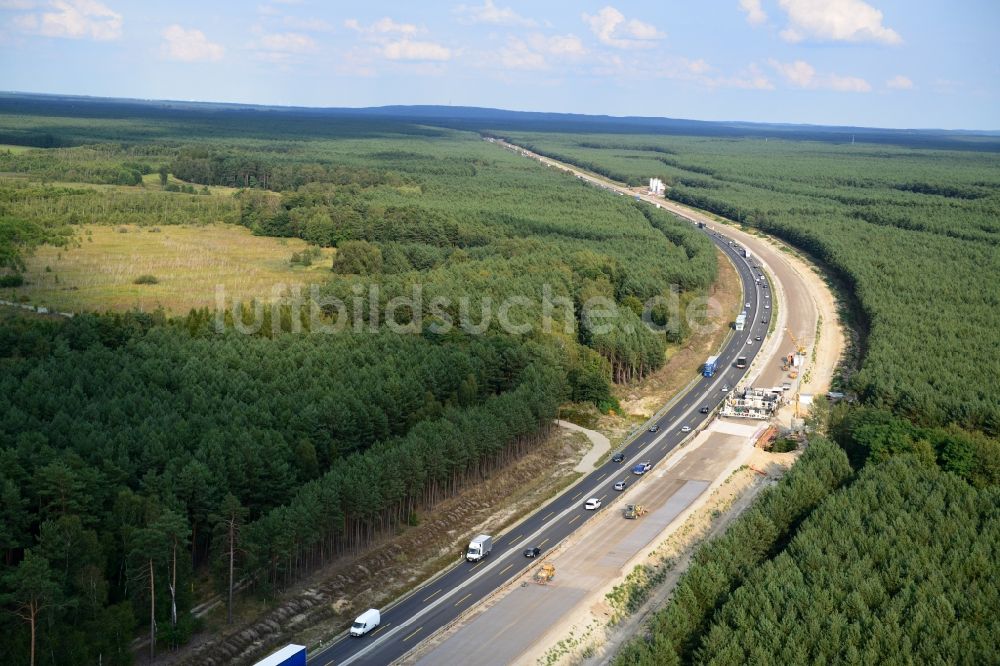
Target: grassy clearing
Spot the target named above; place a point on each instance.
(188, 262)
(152, 181)
(9, 148)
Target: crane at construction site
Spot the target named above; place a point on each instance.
(788, 360)
(799, 349)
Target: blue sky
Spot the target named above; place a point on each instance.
(887, 63)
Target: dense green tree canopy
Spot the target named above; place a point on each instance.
(899, 567)
(914, 233)
(139, 454)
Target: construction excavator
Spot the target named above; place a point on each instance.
(545, 573)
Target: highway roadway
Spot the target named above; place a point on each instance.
(437, 603)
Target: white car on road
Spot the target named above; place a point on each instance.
(592, 503)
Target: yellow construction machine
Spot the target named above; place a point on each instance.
(545, 573)
(633, 511)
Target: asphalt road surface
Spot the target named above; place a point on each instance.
(440, 601)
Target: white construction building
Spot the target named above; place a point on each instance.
(752, 403)
(657, 187)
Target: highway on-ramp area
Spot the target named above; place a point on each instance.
(439, 602)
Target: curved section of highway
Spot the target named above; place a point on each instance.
(440, 601)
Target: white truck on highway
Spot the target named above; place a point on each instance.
(479, 548)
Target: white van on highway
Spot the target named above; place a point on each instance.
(366, 622)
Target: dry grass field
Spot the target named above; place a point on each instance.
(98, 273)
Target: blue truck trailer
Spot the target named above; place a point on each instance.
(290, 655)
(710, 366)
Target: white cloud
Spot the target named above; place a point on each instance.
(287, 42)
(799, 73)
(534, 51)
(755, 13)
(836, 20)
(383, 26)
(803, 75)
(307, 24)
(518, 55)
(560, 45)
(698, 66)
(394, 41)
(846, 83)
(75, 19)
(406, 49)
(750, 78)
(189, 45)
(490, 13)
(683, 69)
(613, 29)
(899, 82)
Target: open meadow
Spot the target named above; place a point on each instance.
(99, 271)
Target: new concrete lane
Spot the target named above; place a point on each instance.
(439, 602)
(533, 608)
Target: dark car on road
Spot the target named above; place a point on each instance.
(532, 552)
(654, 428)
(618, 457)
(704, 410)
